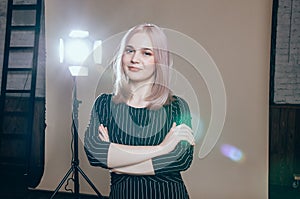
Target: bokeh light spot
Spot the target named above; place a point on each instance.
(232, 153)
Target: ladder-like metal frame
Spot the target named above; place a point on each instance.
(7, 69)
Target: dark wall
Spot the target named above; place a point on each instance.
(284, 144)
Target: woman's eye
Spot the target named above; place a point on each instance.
(129, 51)
(148, 53)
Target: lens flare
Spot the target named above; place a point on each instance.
(232, 153)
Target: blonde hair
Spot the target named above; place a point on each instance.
(160, 93)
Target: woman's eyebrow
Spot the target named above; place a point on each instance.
(147, 49)
(129, 46)
(143, 48)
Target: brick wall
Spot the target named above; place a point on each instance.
(23, 59)
(287, 56)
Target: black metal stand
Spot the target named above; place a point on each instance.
(75, 169)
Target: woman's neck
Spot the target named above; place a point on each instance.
(139, 95)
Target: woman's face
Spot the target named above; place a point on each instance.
(138, 59)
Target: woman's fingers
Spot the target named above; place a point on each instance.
(173, 125)
(100, 133)
(101, 137)
(184, 132)
(177, 134)
(170, 133)
(184, 126)
(103, 133)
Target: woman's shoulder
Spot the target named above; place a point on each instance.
(179, 104)
(176, 100)
(103, 98)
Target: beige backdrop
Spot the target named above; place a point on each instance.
(236, 34)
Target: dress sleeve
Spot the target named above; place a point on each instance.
(96, 149)
(181, 157)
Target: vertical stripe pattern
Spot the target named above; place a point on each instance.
(139, 187)
(141, 126)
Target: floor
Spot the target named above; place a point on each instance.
(276, 192)
(44, 195)
(13, 188)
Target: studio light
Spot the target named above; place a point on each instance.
(78, 51)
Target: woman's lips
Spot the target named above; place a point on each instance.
(134, 69)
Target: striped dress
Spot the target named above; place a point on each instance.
(140, 126)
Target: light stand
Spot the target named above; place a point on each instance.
(75, 168)
(73, 52)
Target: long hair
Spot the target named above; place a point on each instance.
(160, 93)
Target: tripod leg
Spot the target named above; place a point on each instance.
(62, 182)
(90, 182)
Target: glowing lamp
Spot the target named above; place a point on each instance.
(76, 50)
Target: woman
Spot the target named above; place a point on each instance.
(142, 133)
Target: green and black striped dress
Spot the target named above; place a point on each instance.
(140, 126)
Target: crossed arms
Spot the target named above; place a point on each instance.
(174, 153)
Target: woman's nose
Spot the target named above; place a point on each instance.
(135, 57)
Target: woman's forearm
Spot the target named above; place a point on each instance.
(142, 168)
(125, 155)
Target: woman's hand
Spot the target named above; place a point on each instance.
(176, 134)
(103, 133)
